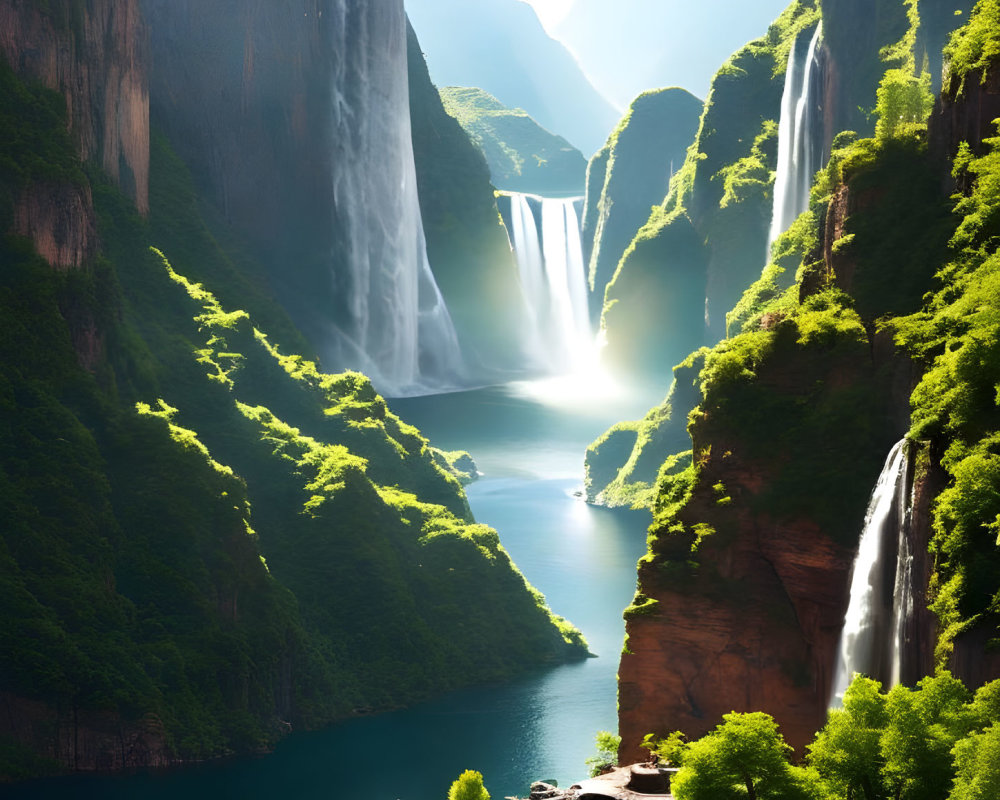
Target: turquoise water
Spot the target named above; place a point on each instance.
(542, 726)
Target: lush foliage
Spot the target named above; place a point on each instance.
(606, 757)
(136, 584)
(522, 156)
(932, 741)
(468, 786)
(745, 756)
(975, 47)
(955, 403)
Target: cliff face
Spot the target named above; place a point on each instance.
(630, 174)
(742, 596)
(97, 57)
(719, 206)
(243, 93)
(59, 218)
(144, 620)
(521, 154)
(467, 245)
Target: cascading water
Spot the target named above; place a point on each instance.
(797, 140)
(553, 281)
(872, 638)
(392, 323)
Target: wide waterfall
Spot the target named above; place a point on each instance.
(392, 322)
(872, 639)
(798, 158)
(545, 235)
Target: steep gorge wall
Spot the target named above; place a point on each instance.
(741, 599)
(632, 173)
(243, 92)
(97, 57)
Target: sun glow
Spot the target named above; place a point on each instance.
(551, 12)
(591, 389)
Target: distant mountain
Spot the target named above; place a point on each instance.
(521, 154)
(633, 45)
(501, 47)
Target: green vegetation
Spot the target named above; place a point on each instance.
(631, 173)
(745, 756)
(522, 156)
(954, 405)
(975, 47)
(704, 241)
(467, 244)
(621, 466)
(205, 537)
(468, 786)
(606, 757)
(932, 741)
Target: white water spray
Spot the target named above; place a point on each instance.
(550, 263)
(393, 323)
(797, 159)
(866, 645)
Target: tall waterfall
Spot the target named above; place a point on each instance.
(392, 322)
(550, 263)
(797, 140)
(872, 639)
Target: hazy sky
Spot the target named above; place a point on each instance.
(628, 46)
(551, 12)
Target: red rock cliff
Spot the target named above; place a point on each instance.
(96, 56)
(749, 619)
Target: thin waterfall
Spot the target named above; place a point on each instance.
(902, 595)
(549, 257)
(871, 638)
(392, 322)
(797, 160)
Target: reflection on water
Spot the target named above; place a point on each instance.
(542, 726)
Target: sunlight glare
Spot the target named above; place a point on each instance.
(590, 389)
(551, 12)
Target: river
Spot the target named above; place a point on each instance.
(541, 726)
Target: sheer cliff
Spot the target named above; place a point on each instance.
(742, 594)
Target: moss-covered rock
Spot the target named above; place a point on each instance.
(631, 173)
(521, 154)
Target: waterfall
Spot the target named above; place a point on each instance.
(870, 643)
(902, 593)
(797, 159)
(550, 264)
(392, 322)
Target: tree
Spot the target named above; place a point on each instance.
(923, 726)
(670, 750)
(744, 757)
(847, 750)
(607, 753)
(469, 786)
(977, 766)
(903, 100)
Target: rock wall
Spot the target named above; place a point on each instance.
(630, 174)
(59, 218)
(242, 91)
(96, 56)
(84, 741)
(746, 615)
